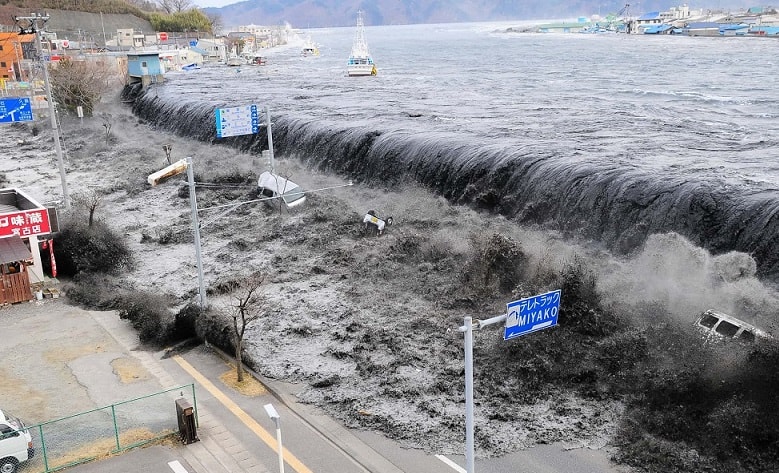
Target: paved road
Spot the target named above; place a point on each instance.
(62, 360)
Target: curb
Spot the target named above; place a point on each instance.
(337, 435)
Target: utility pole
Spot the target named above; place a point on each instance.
(34, 24)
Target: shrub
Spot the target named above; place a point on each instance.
(148, 313)
(185, 324)
(581, 309)
(213, 327)
(93, 291)
(497, 264)
(97, 249)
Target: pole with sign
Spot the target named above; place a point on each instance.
(522, 317)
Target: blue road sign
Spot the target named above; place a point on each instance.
(236, 121)
(531, 314)
(193, 43)
(15, 110)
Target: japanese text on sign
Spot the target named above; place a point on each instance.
(26, 223)
(532, 314)
(236, 121)
(15, 110)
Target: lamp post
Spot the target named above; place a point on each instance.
(196, 230)
(273, 414)
(35, 22)
(172, 170)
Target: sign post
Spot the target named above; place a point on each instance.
(522, 317)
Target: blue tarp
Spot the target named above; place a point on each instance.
(657, 29)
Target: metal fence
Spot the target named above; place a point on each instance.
(104, 431)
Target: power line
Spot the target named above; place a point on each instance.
(33, 25)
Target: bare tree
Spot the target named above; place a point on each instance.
(176, 6)
(87, 200)
(81, 83)
(107, 123)
(216, 22)
(250, 305)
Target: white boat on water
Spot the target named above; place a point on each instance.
(309, 48)
(360, 60)
(234, 61)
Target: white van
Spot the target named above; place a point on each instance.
(15, 443)
(723, 326)
(277, 187)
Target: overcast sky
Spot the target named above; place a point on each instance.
(214, 3)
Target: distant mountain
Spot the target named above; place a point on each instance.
(325, 13)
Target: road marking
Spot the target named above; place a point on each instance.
(253, 425)
(176, 467)
(451, 464)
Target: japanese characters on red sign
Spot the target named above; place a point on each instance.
(25, 223)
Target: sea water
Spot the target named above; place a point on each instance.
(615, 137)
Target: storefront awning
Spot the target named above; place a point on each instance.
(12, 249)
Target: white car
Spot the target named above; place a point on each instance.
(275, 187)
(723, 326)
(15, 443)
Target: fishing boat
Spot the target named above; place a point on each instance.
(235, 60)
(309, 48)
(360, 60)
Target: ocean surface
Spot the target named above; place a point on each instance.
(602, 136)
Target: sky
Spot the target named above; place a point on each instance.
(214, 3)
(712, 3)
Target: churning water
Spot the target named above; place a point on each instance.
(610, 137)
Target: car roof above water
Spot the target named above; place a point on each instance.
(726, 326)
(290, 192)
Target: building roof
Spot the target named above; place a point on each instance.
(703, 25)
(12, 248)
(653, 15)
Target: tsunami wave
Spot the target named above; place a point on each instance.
(609, 201)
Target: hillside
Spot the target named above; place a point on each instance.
(326, 13)
(88, 24)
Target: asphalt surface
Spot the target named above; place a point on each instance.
(62, 360)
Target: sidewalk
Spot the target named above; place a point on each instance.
(224, 446)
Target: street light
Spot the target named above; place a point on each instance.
(273, 414)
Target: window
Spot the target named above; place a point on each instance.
(726, 328)
(2, 64)
(143, 64)
(747, 336)
(708, 321)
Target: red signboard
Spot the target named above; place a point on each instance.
(25, 223)
(163, 36)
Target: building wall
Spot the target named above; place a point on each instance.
(11, 53)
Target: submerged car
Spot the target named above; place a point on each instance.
(275, 187)
(723, 326)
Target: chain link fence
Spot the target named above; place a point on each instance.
(104, 431)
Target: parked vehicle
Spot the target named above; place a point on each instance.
(723, 326)
(15, 443)
(278, 188)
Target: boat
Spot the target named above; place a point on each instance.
(234, 60)
(258, 60)
(309, 49)
(360, 60)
